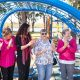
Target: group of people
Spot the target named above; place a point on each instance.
(8, 47)
(42, 48)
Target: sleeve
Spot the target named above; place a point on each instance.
(15, 47)
(60, 47)
(1, 43)
(18, 42)
(73, 46)
(1, 40)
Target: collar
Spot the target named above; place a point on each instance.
(68, 39)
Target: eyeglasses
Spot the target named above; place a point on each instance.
(44, 33)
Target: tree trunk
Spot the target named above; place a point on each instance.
(22, 18)
(33, 26)
(33, 22)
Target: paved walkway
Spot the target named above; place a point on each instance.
(55, 70)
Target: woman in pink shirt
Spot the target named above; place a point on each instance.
(66, 48)
(7, 56)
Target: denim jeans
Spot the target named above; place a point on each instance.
(44, 71)
(67, 71)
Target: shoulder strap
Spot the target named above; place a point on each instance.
(50, 41)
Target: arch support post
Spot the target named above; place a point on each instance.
(0, 32)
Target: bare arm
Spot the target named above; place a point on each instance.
(1, 43)
(27, 45)
(53, 48)
(39, 53)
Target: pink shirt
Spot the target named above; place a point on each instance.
(68, 53)
(7, 56)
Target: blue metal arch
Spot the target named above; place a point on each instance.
(59, 4)
(54, 13)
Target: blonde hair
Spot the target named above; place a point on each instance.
(6, 31)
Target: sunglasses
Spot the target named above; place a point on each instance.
(44, 33)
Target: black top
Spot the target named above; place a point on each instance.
(19, 44)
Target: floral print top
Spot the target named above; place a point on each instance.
(47, 57)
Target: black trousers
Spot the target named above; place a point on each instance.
(23, 69)
(0, 76)
(7, 73)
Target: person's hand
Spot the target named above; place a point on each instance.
(44, 50)
(53, 48)
(41, 52)
(1, 43)
(66, 44)
(10, 44)
(31, 42)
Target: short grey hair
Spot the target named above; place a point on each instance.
(64, 31)
(43, 30)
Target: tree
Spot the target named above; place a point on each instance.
(2, 8)
(22, 17)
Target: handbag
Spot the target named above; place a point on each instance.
(54, 61)
(54, 58)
